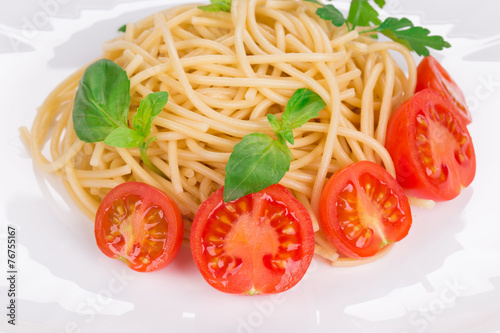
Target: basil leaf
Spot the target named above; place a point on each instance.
(149, 108)
(283, 133)
(102, 101)
(275, 123)
(302, 106)
(124, 137)
(123, 28)
(380, 3)
(257, 161)
(315, 1)
(287, 134)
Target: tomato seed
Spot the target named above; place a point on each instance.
(120, 209)
(224, 219)
(243, 205)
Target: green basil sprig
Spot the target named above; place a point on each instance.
(258, 161)
(101, 108)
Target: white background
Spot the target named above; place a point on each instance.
(444, 277)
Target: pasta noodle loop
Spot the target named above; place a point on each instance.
(224, 73)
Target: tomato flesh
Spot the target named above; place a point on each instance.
(261, 243)
(432, 150)
(430, 74)
(139, 225)
(363, 209)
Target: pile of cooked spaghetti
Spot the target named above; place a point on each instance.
(225, 72)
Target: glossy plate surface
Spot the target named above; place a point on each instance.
(444, 277)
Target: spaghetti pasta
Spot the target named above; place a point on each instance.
(224, 72)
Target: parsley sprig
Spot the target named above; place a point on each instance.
(101, 108)
(414, 38)
(217, 6)
(329, 13)
(258, 160)
(363, 14)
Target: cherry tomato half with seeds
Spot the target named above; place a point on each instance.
(139, 225)
(430, 74)
(432, 150)
(363, 209)
(261, 243)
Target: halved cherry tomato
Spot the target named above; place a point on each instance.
(363, 209)
(431, 149)
(430, 74)
(139, 225)
(259, 244)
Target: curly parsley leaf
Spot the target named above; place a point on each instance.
(258, 161)
(217, 6)
(362, 13)
(329, 13)
(332, 14)
(414, 38)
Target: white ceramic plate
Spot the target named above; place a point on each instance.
(444, 277)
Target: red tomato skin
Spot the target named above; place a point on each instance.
(243, 284)
(400, 143)
(153, 196)
(328, 212)
(406, 172)
(430, 74)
